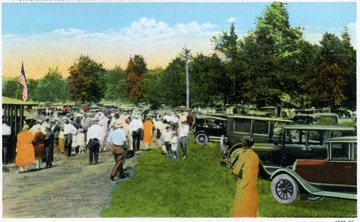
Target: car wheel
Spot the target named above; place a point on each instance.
(284, 189)
(201, 138)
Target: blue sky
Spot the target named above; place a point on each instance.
(49, 34)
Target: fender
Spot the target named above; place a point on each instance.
(201, 131)
(309, 188)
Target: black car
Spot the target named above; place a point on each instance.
(209, 128)
(294, 142)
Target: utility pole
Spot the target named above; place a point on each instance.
(187, 51)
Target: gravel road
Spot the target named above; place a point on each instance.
(70, 189)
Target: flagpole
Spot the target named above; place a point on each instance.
(17, 88)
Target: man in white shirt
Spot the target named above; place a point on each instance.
(183, 136)
(136, 125)
(69, 132)
(6, 136)
(94, 135)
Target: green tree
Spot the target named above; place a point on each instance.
(151, 86)
(116, 85)
(325, 84)
(173, 82)
(349, 65)
(135, 70)
(31, 85)
(207, 80)
(51, 88)
(272, 55)
(227, 42)
(11, 88)
(86, 80)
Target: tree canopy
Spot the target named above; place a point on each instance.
(86, 80)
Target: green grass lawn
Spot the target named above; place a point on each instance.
(200, 187)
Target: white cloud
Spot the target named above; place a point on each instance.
(157, 41)
(315, 34)
(232, 19)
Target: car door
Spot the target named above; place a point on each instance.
(341, 166)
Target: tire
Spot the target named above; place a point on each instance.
(222, 144)
(284, 189)
(201, 138)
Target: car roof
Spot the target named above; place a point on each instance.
(209, 117)
(324, 114)
(260, 118)
(318, 127)
(349, 139)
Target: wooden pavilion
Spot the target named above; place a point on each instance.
(14, 114)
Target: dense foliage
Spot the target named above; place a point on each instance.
(86, 80)
(273, 61)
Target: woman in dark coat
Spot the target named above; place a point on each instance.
(49, 146)
(38, 143)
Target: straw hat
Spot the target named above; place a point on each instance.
(119, 123)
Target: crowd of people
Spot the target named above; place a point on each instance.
(122, 133)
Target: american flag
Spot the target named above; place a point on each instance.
(22, 81)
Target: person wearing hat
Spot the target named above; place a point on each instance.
(114, 118)
(246, 168)
(25, 152)
(86, 122)
(6, 140)
(69, 132)
(81, 140)
(49, 145)
(38, 143)
(94, 135)
(136, 125)
(118, 142)
(148, 131)
(183, 132)
(56, 130)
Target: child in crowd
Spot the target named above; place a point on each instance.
(167, 140)
(61, 145)
(81, 141)
(74, 144)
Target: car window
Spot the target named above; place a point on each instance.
(354, 155)
(315, 137)
(296, 136)
(242, 125)
(340, 151)
(260, 127)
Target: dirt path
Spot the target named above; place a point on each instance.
(71, 188)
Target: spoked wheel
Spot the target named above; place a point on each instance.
(202, 138)
(284, 189)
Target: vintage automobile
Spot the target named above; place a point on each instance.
(335, 176)
(209, 128)
(303, 118)
(294, 142)
(265, 131)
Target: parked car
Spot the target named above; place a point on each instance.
(208, 128)
(302, 142)
(294, 142)
(314, 118)
(335, 176)
(265, 131)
